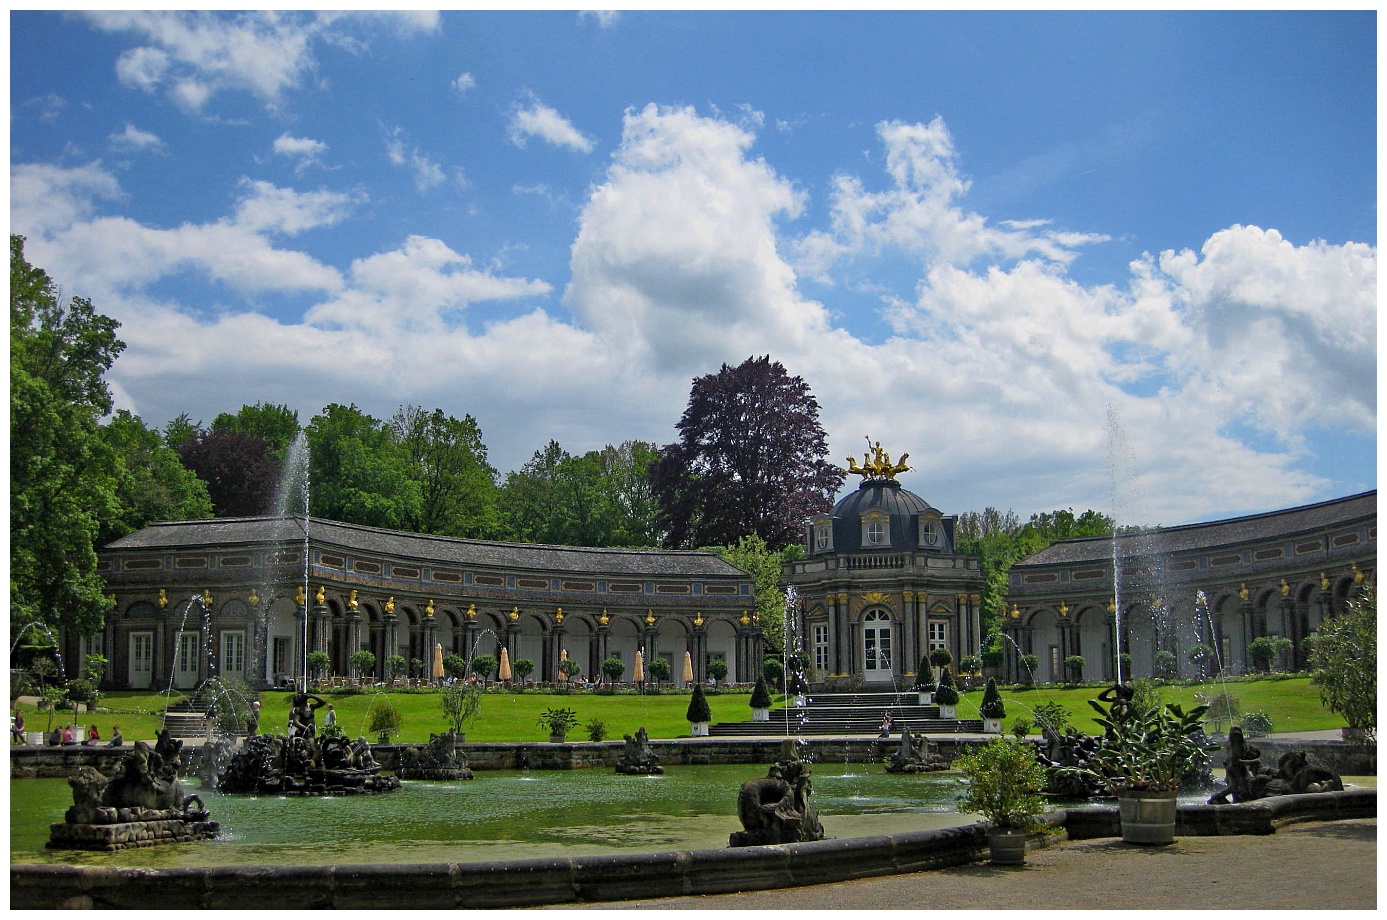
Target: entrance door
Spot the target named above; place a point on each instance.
(185, 664)
(233, 648)
(876, 645)
(141, 660)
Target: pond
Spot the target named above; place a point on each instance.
(502, 814)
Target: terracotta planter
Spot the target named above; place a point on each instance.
(1008, 847)
(1148, 818)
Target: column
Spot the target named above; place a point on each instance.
(975, 623)
(843, 651)
(601, 646)
(429, 635)
(910, 641)
(391, 645)
(555, 655)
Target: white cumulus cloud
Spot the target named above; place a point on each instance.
(535, 119)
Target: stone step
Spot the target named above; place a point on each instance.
(844, 727)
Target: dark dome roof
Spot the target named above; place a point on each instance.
(881, 495)
(906, 515)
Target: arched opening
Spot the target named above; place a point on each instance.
(877, 648)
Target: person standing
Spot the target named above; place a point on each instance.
(17, 728)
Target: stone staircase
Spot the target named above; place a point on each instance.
(851, 714)
(184, 719)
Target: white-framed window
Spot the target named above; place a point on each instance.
(929, 533)
(823, 536)
(876, 529)
(233, 649)
(820, 647)
(938, 635)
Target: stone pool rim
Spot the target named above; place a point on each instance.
(558, 880)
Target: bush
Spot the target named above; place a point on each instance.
(659, 668)
(1021, 727)
(1074, 668)
(947, 694)
(993, 654)
(1343, 660)
(383, 718)
(1224, 708)
(1262, 651)
(924, 676)
(484, 666)
(698, 710)
(363, 662)
(992, 706)
(78, 690)
(394, 666)
(612, 669)
(523, 668)
(774, 672)
(1257, 724)
(760, 695)
(461, 703)
(1201, 656)
(596, 729)
(717, 669)
(970, 664)
(568, 667)
(1004, 784)
(1052, 717)
(1029, 663)
(455, 666)
(558, 721)
(1166, 664)
(318, 664)
(941, 657)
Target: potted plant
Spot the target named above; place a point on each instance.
(384, 719)
(559, 722)
(1141, 759)
(992, 709)
(940, 658)
(924, 682)
(362, 662)
(1004, 781)
(946, 695)
(698, 714)
(760, 702)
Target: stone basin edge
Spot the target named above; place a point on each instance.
(540, 881)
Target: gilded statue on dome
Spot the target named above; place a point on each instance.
(876, 463)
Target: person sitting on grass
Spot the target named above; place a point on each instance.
(17, 728)
(93, 736)
(116, 739)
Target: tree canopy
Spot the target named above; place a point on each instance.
(601, 498)
(152, 484)
(63, 473)
(750, 459)
(240, 471)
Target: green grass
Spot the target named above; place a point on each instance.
(1293, 704)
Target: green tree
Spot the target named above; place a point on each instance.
(660, 670)
(447, 459)
(484, 666)
(363, 662)
(523, 668)
(360, 474)
(753, 556)
(152, 484)
(276, 425)
(698, 710)
(318, 664)
(1343, 661)
(626, 479)
(461, 704)
(455, 666)
(612, 669)
(717, 669)
(63, 474)
(751, 459)
(239, 471)
(394, 666)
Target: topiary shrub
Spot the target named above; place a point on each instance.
(924, 676)
(947, 694)
(698, 710)
(941, 657)
(992, 706)
(760, 695)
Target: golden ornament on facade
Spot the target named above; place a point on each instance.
(746, 619)
(876, 463)
(875, 597)
(321, 597)
(698, 618)
(649, 618)
(428, 608)
(1357, 575)
(514, 614)
(253, 599)
(1064, 609)
(206, 598)
(471, 612)
(1324, 582)
(389, 606)
(352, 602)
(163, 598)
(298, 595)
(1242, 591)
(1285, 588)
(1112, 605)
(558, 615)
(1015, 612)
(603, 620)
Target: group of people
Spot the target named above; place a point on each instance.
(64, 734)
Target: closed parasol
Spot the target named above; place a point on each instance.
(639, 674)
(438, 661)
(688, 667)
(504, 672)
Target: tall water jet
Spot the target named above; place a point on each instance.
(292, 503)
(1118, 457)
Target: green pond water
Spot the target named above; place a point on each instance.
(502, 814)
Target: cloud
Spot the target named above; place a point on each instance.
(132, 140)
(428, 172)
(605, 18)
(306, 151)
(539, 120)
(192, 56)
(464, 83)
(919, 213)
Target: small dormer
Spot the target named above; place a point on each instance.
(876, 530)
(930, 533)
(820, 534)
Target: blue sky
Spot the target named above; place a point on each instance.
(988, 239)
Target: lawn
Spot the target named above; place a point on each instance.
(1292, 703)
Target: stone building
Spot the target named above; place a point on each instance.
(227, 597)
(882, 584)
(1220, 585)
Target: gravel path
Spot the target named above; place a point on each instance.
(1329, 865)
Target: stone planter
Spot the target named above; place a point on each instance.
(947, 712)
(557, 737)
(924, 697)
(760, 715)
(1008, 847)
(992, 726)
(698, 729)
(1148, 818)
